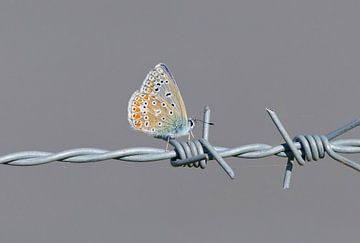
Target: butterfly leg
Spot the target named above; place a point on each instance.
(192, 134)
(167, 144)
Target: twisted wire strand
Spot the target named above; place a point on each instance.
(149, 154)
(196, 153)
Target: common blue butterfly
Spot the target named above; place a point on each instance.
(158, 108)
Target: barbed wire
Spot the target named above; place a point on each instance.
(196, 153)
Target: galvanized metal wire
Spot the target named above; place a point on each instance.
(196, 153)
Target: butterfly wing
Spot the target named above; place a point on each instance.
(158, 108)
(161, 82)
(152, 114)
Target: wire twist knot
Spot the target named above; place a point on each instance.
(313, 147)
(197, 152)
(190, 153)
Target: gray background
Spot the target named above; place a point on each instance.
(68, 68)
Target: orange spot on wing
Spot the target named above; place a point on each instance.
(136, 116)
(146, 97)
(138, 124)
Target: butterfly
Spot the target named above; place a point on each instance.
(157, 108)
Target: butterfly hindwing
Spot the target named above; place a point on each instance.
(152, 114)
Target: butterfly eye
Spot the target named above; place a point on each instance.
(162, 81)
(191, 123)
(154, 102)
(166, 81)
(163, 118)
(158, 84)
(168, 94)
(153, 129)
(163, 104)
(145, 103)
(156, 89)
(146, 124)
(173, 104)
(160, 124)
(171, 113)
(146, 118)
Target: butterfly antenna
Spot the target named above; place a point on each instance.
(210, 123)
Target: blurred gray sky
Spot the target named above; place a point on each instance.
(68, 68)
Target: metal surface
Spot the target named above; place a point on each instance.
(196, 153)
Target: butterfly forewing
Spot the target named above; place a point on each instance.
(161, 82)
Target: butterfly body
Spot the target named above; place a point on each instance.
(157, 108)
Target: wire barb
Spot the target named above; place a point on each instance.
(197, 153)
(312, 147)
